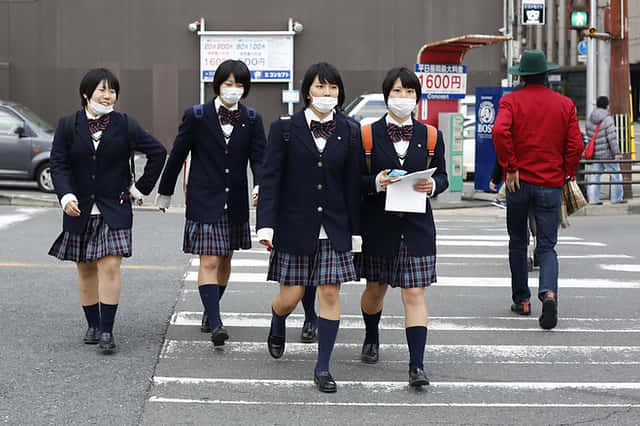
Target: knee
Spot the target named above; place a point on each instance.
(290, 297)
(375, 291)
(87, 271)
(412, 297)
(329, 294)
(209, 263)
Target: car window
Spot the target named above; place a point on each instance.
(352, 105)
(9, 123)
(372, 109)
(34, 118)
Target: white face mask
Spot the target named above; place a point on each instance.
(231, 95)
(401, 107)
(324, 104)
(100, 109)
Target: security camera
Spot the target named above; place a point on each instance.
(502, 30)
(298, 27)
(193, 26)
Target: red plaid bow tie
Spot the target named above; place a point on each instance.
(323, 130)
(400, 133)
(227, 116)
(99, 124)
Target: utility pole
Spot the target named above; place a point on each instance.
(620, 79)
(591, 61)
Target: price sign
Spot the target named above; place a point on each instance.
(442, 81)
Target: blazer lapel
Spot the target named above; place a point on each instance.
(241, 124)
(301, 129)
(382, 141)
(212, 122)
(417, 147)
(341, 135)
(114, 122)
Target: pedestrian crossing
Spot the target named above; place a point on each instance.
(11, 216)
(479, 356)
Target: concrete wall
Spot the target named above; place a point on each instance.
(634, 31)
(47, 46)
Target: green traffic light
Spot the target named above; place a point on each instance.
(579, 18)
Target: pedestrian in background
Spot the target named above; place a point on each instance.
(91, 172)
(539, 144)
(309, 210)
(606, 148)
(399, 249)
(222, 136)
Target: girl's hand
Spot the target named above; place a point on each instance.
(425, 185)
(71, 208)
(267, 243)
(384, 180)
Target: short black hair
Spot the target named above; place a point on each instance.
(240, 73)
(326, 73)
(92, 79)
(602, 102)
(408, 79)
(534, 78)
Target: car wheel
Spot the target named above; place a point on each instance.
(43, 178)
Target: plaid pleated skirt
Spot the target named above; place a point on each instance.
(217, 239)
(96, 242)
(324, 266)
(402, 270)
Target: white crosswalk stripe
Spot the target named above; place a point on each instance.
(487, 366)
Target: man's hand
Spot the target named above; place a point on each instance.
(513, 181)
(71, 208)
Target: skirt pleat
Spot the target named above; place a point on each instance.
(217, 239)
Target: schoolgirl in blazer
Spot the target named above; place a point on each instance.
(399, 248)
(309, 210)
(92, 177)
(222, 136)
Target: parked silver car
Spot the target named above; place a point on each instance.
(25, 145)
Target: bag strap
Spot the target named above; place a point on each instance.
(285, 127)
(132, 136)
(198, 111)
(595, 133)
(68, 127)
(367, 144)
(432, 138)
(252, 116)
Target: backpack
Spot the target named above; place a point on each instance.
(367, 143)
(69, 124)
(198, 113)
(285, 128)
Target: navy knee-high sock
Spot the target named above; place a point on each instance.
(327, 333)
(92, 314)
(107, 317)
(278, 324)
(371, 326)
(416, 339)
(221, 289)
(309, 304)
(210, 296)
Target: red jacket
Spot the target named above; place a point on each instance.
(536, 132)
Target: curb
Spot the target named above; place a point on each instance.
(26, 201)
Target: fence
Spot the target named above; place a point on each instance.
(626, 170)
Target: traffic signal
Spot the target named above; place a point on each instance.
(578, 14)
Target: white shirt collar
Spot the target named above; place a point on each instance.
(217, 103)
(89, 115)
(311, 116)
(407, 122)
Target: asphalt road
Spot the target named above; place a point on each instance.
(486, 365)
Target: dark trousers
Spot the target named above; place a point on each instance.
(545, 204)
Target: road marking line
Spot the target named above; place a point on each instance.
(390, 385)
(10, 219)
(441, 242)
(385, 404)
(239, 262)
(194, 319)
(256, 277)
(621, 268)
(71, 265)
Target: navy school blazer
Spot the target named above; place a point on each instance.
(302, 189)
(382, 230)
(100, 176)
(218, 172)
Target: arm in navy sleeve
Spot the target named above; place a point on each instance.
(156, 154)
(181, 148)
(59, 162)
(440, 175)
(352, 180)
(256, 150)
(272, 168)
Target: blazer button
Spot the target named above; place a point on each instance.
(227, 190)
(320, 209)
(93, 197)
(93, 177)
(226, 171)
(226, 151)
(93, 157)
(319, 163)
(319, 187)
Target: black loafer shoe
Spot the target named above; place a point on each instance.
(325, 382)
(92, 336)
(549, 317)
(522, 308)
(205, 327)
(106, 344)
(370, 353)
(219, 335)
(276, 346)
(309, 332)
(417, 378)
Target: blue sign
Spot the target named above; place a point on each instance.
(582, 47)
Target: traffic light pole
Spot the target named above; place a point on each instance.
(591, 62)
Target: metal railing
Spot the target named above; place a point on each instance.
(626, 170)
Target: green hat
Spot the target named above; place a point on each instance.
(532, 62)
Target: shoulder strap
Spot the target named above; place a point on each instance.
(285, 127)
(432, 138)
(132, 137)
(198, 111)
(367, 144)
(68, 127)
(252, 116)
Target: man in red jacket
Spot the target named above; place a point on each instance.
(539, 145)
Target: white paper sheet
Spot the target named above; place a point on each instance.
(401, 197)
